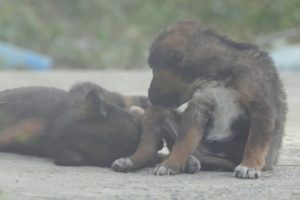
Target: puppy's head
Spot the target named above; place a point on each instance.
(182, 54)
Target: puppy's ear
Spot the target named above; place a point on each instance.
(95, 105)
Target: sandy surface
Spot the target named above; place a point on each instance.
(23, 177)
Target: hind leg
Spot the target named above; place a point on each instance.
(215, 163)
(23, 137)
(257, 146)
(23, 131)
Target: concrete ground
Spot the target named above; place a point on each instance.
(24, 177)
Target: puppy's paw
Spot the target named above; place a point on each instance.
(192, 165)
(246, 173)
(163, 170)
(122, 165)
(137, 111)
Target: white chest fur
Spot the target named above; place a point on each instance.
(226, 110)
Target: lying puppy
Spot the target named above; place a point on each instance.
(236, 104)
(87, 125)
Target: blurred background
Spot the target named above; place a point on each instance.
(116, 34)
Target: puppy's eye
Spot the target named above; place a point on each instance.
(174, 57)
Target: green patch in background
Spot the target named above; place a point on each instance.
(116, 34)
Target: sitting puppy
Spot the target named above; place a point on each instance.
(86, 126)
(236, 104)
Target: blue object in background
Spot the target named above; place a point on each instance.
(12, 57)
(287, 57)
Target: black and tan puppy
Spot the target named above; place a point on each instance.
(236, 103)
(87, 125)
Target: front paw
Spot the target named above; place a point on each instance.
(246, 173)
(122, 165)
(163, 169)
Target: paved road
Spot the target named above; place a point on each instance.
(23, 177)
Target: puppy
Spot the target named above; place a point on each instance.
(236, 104)
(87, 125)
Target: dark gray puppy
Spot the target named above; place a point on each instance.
(87, 125)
